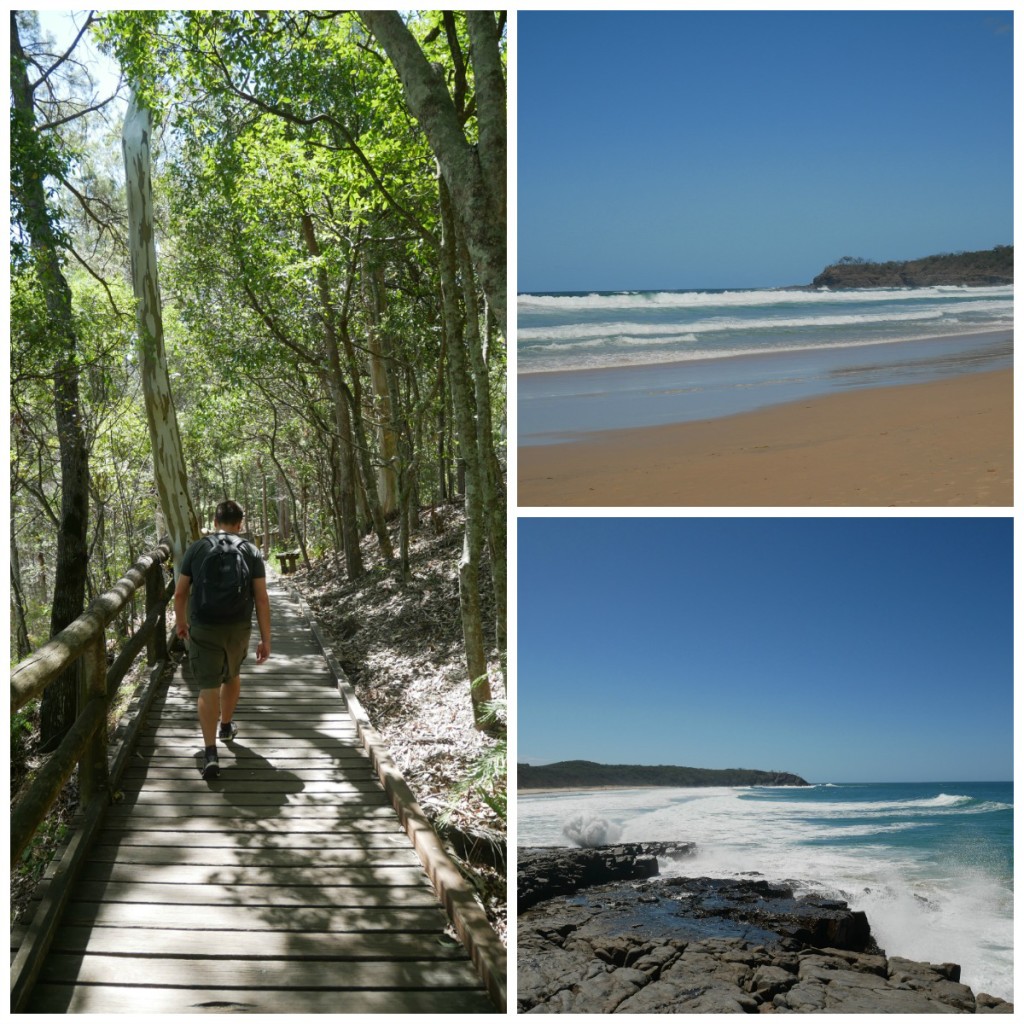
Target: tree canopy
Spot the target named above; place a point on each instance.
(330, 231)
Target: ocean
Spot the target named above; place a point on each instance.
(930, 863)
(601, 360)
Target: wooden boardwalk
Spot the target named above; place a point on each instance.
(288, 885)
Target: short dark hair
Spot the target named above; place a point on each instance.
(229, 512)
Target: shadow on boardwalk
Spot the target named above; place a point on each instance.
(286, 885)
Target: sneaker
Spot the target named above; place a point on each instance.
(211, 767)
(228, 731)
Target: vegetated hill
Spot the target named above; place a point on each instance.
(987, 267)
(581, 774)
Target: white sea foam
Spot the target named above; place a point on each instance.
(573, 358)
(675, 338)
(948, 800)
(611, 328)
(689, 300)
(582, 331)
(617, 331)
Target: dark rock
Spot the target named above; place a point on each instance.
(811, 920)
(558, 871)
(984, 1003)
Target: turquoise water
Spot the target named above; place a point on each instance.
(930, 863)
(618, 359)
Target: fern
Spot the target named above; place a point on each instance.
(488, 775)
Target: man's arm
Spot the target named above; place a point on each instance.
(181, 591)
(262, 602)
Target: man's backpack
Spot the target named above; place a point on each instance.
(222, 589)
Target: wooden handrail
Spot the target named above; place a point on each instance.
(33, 674)
(85, 744)
(83, 638)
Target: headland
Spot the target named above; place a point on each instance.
(582, 775)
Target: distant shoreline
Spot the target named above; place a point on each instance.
(523, 790)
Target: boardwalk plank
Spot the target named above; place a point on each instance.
(250, 839)
(345, 892)
(112, 999)
(325, 816)
(358, 771)
(262, 730)
(324, 947)
(239, 855)
(293, 760)
(237, 974)
(236, 780)
(361, 820)
(255, 918)
(282, 877)
(221, 794)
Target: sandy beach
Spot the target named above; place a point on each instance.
(942, 443)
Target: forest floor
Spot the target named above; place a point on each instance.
(401, 646)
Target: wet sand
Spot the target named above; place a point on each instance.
(943, 443)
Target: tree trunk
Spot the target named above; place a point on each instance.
(491, 115)
(404, 456)
(387, 475)
(266, 520)
(18, 600)
(168, 459)
(469, 566)
(492, 496)
(470, 173)
(370, 494)
(343, 422)
(59, 701)
(284, 519)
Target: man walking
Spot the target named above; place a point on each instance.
(225, 578)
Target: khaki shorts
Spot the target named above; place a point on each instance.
(216, 653)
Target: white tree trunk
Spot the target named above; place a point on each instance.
(384, 414)
(168, 459)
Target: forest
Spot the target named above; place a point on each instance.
(268, 263)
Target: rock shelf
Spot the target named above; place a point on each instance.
(601, 932)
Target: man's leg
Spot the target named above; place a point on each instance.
(229, 693)
(209, 712)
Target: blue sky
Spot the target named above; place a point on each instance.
(692, 149)
(63, 27)
(844, 650)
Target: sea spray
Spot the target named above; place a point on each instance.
(589, 832)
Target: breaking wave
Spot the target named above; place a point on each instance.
(689, 300)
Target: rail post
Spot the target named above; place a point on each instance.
(157, 645)
(93, 778)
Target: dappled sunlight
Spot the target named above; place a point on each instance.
(290, 868)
